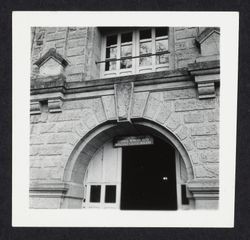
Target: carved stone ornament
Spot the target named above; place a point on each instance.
(123, 100)
(209, 41)
(55, 105)
(51, 63)
(206, 75)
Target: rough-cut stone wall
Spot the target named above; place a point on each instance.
(80, 46)
(186, 50)
(193, 121)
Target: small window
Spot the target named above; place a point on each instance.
(184, 198)
(95, 193)
(110, 194)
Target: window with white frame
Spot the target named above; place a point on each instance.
(135, 51)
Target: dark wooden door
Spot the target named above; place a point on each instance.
(149, 177)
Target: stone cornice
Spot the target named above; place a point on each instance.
(206, 74)
(204, 188)
(58, 83)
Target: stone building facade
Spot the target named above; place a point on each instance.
(94, 88)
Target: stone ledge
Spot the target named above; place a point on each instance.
(48, 189)
(41, 85)
(204, 188)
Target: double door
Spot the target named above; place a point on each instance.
(132, 178)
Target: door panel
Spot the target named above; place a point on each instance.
(103, 178)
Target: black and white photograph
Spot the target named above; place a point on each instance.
(126, 119)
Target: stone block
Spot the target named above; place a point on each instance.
(89, 118)
(204, 130)
(34, 119)
(57, 138)
(51, 150)
(55, 36)
(60, 44)
(186, 33)
(202, 143)
(211, 142)
(164, 112)
(37, 139)
(194, 104)
(70, 115)
(76, 51)
(154, 102)
(213, 116)
(206, 171)
(123, 100)
(98, 109)
(179, 94)
(185, 44)
(173, 122)
(182, 132)
(139, 102)
(34, 129)
(190, 53)
(206, 104)
(76, 60)
(75, 69)
(65, 127)
(194, 118)
(48, 128)
(81, 129)
(73, 43)
(75, 77)
(185, 105)
(109, 106)
(45, 202)
(51, 29)
(188, 144)
(205, 156)
(34, 150)
(77, 33)
(37, 174)
(73, 138)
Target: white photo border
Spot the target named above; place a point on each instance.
(22, 215)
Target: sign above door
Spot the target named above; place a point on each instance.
(133, 141)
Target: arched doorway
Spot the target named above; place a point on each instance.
(137, 177)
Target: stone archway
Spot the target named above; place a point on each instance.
(89, 144)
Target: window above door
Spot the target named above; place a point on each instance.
(128, 51)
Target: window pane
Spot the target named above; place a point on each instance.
(126, 51)
(110, 65)
(111, 52)
(126, 37)
(161, 31)
(110, 194)
(145, 48)
(161, 45)
(145, 34)
(127, 63)
(161, 59)
(95, 193)
(111, 40)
